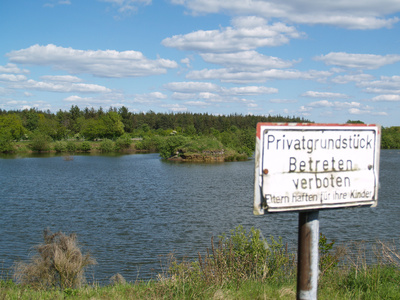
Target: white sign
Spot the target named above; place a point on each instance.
(315, 166)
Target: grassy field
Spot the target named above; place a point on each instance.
(237, 266)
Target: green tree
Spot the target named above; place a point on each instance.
(113, 126)
(92, 129)
(11, 126)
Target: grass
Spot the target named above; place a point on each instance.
(245, 266)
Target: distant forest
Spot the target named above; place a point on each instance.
(91, 124)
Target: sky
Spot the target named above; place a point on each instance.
(326, 61)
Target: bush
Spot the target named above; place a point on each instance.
(85, 146)
(60, 146)
(149, 143)
(123, 142)
(6, 143)
(40, 142)
(71, 146)
(240, 257)
(169, 146)
(107, 145)
(59, 263)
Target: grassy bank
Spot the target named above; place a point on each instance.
(239, 266)
(178, 147)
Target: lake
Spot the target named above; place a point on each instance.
(130, 211)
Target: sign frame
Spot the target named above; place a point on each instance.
(309, 163)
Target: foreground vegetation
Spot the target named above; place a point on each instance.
(242, 265)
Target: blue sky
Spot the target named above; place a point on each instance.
(327, 61)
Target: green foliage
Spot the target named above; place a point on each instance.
(390, 138)
(71, 146)
(238, 258)
(169, 146)
(6, 142)
(354, 122)
(60, 146)
(204, 144)
(107, 145)
(92, 129)
(112, 124)
(48, 126)
(328, 259)
(39, 141)
(85, 146)
(11, 127)
(123, 142)
(149, 143)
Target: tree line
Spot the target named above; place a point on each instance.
(235, 130)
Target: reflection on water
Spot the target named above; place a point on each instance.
(130, 209)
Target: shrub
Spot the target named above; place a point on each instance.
(329, 257)
(107, 145)
(6, 143)
(40, 142)
(59, 263)
(71, 146)
(60, 146)
(123, 142)
(149, 143)
(169, 146)
(85, 146)
(241, 256)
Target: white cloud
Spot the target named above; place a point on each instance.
(61, 87)
(127, 6)
(53, 3)
(389, 98)
(101, 63)
(355, 14)
(197, 103)
(241, 37)
(186, 61)
(175, 107)
(252, 90)
(230, 75)
(333, 104)
(90, 101)
(343, 79)
(61, 78)
(189, 87)
(12, 77)
(386, 85)
(183, 96)
(149, 98)
(313, 94)
(12, 68)
(245, 60)
(78, 99)
(358, 61)
(287, 101)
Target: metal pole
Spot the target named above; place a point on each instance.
(307, 265)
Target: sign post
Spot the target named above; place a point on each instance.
(306, 167)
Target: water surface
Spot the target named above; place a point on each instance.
(130, 210)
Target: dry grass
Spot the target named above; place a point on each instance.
(58, 263)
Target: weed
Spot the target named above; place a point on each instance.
(59, 263)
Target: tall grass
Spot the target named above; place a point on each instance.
(58, 263)
(241, 265)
